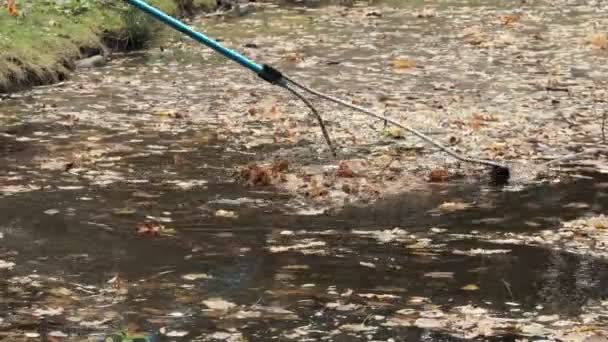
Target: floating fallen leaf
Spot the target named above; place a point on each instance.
(177, 333)
(170, 114)
(417, 300)
(124, 211)
(473, 35)
(378, 296)
(226, 213)
(428, 323)
(367, 264)
(403, 63)
(152, 229)
(480, 251)
(344, 170)
(547, 318)
(432, 314)
(342, 307)
(406, 312)
(384, 236)
(509, 19)
(475, 124)
(470, 287)
(218, 304)
(598, 222)
(453, 206)
(301, 246)
(280, 165)
(439, 274)
(141, 194)
(51, 212)
(393, 132)
(293, 57)
(439, 175)
(226, 336)
(61, 291)
(48, 312)
(472, 310)
(196, 276)
(599, 40)
(58, 334)
(6, 264)
(255, 175)
(484, 117)
(426, 13)
(357, 327)
(244, 314)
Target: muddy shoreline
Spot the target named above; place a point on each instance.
(18, 73)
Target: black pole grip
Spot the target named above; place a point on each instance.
(271, 75)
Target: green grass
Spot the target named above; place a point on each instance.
(37, 46)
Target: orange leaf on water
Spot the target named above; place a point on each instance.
(403, 63)
(509, 19)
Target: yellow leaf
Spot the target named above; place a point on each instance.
(403, 63)
(599, 40)
(394, 132)
(470, 287)
(170, 114)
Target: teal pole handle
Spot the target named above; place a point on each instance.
(199, 37)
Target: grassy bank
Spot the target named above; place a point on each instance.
(40, 44)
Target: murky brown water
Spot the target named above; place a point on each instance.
(145, 139)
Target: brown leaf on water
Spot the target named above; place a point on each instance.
(473, 35)
(509, 19)
(152, 229)
(293, 57)
(148, 229)
(439, 175)
(599, 40)
(170, 113)
(119, 284)
(344, 170)
(279, 165)
(316, 189)
(255, 175)
(475, 124)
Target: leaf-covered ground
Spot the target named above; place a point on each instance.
(173, 192)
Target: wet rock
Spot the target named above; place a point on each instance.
(91, 62)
